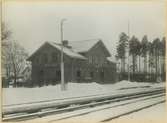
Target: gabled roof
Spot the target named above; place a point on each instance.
(77, 47)
(69, 52)
(82, 46)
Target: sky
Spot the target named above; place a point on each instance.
(33, 23)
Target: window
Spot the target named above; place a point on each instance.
(91, 74)
(101, 60)
(44, 58)
(37, 60)
(93, 59)
(96, 60)
(54, 57)
(78, 73)
(41, 72)
(90, 59)
(58, 75)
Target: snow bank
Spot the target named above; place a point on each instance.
(24, 95)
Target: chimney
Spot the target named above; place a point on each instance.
(65, 43)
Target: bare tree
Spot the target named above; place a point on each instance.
(13, 55)
(15, 59)
(6, 34)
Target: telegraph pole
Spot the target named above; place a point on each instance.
(62, 60)
(128, 50)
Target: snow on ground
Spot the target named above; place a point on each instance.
(24, 95)
(103, 112)
(155, 114)
(99, 116)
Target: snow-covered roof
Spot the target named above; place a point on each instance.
(111, 59)
(67, 51)
(75, 48)
(82, 46)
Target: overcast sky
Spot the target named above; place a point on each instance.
(33, 23)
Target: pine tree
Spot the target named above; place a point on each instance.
(134, 51)
(144, 51)
(121, 50)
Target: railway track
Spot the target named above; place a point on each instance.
(27, 113)
(107, 112)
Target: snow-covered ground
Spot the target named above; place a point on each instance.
(112, 110)
(24, 95)
(155, 114)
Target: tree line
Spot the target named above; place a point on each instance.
(143, 59)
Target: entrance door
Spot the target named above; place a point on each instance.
(78, 75)
(58, 75)
(102, 76)
(41, 78)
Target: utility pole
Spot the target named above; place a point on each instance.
(62, 60)
(128, 50)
